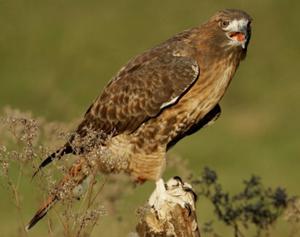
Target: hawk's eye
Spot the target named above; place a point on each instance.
(224, 23)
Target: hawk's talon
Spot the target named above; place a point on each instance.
(178, 179)
(166, 186)
(188, 207)
(189, 190)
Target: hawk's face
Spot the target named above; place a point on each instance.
(233, 28)
(237, 31)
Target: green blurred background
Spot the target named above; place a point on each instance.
(56, 56)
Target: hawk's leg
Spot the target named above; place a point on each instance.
(173, 192)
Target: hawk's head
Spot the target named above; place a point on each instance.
(233, 28)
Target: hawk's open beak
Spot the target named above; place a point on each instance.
(240, 37)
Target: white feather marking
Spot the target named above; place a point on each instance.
(237, 25)
(172, 101)
(177, 54)
(196, 70)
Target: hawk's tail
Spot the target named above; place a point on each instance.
(66, 149)
(42, 211)
(76, 175)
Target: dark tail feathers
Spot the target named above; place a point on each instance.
(76, 175)
(67, 149)
(42, 212)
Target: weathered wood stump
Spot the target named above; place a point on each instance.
(172, 214)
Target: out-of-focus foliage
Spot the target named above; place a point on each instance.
(19, 157)
(254, 206)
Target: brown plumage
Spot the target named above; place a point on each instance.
(157, 98)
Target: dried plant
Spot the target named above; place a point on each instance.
(21, 151)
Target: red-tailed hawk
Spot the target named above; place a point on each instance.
(157, 98)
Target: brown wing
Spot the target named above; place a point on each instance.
(147, 85)
(140, 93)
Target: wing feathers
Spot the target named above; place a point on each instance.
(141, 92)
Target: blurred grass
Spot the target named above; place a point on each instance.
(56, 56)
